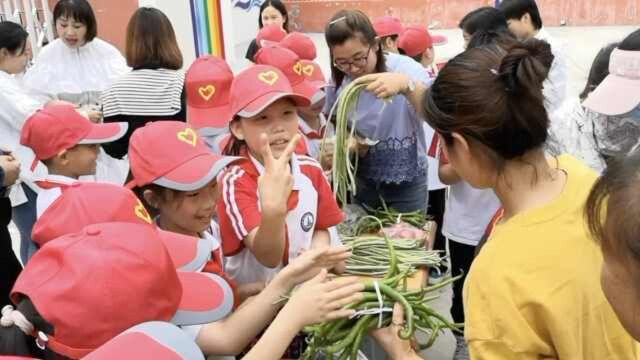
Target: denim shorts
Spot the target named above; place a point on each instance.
(404, 197)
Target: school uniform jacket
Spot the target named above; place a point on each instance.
(311, 206)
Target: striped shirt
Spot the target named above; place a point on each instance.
(145, 92)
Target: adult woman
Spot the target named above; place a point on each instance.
(572, 126)
(272, 12)
(395, 168)
(617, 101)
(77, 66)
(154, 90)
(613, 216)
(16, 105)
(530, 293)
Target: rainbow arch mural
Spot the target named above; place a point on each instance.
(208, 31)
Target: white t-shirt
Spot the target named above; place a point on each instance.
(468, 212)
(555, 87)
(433, 178)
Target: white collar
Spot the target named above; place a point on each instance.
(295, 169)
(306, 129)
(60, 179)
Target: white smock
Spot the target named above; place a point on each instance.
(76, 75)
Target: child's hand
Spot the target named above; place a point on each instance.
(319, 300)
(275, 184)
(311, 262)
(11, 167)
(246, 291)
(388, 338)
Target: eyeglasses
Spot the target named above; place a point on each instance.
(359, 62)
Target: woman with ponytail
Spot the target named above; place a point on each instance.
(533, 291)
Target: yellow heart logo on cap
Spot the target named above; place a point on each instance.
(189, 136)
(268, 77)
(206, 92)
(297, 68)
(142, 213)
(308, 70)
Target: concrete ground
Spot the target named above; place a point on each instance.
(581, 45)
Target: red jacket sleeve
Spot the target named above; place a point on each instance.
(238, 209)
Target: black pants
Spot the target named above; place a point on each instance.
(461, 258)
(436, 210)
(9, 265)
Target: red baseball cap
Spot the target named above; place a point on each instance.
(270, 34)
(57, 128)
(75, 207)
(151, 340)
(387, 26)
(172, 154)
(415, 39)
(312, 71)
(207, 82)
(258, 87)
(300, 44)
(94, 284)
(289, 63)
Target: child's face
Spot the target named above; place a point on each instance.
(190, 212)
(279, 121)
(15, 63)
(313, 110)
(620, 286)
(81, 160)
(71, 32)
(521, 28)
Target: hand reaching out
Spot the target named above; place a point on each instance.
(384, 85)
(276, 183)
(320, 300)
(393, 345)
(311, 262)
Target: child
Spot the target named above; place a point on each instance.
(612, 214)
(207, 83)
(311, 123)
(416, 42)
(73, 209)
(175, 174)
(468, 212)
(67, 143)
(524, 21)
(84, 288)
(264, 229)
(300, 44)
(388, 29)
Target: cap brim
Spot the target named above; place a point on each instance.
(258, 105)
(150, 340)
(196, 173)
(105, 133)
(205, 298)
(614, 96)
(308, 90)
(187, 252)
(209, 121)
(439, 40)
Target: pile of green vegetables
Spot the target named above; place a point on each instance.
(344, 170)
(342, 338)
(370, 255)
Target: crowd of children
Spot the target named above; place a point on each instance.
(212, 203)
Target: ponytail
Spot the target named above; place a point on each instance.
(493, 95)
